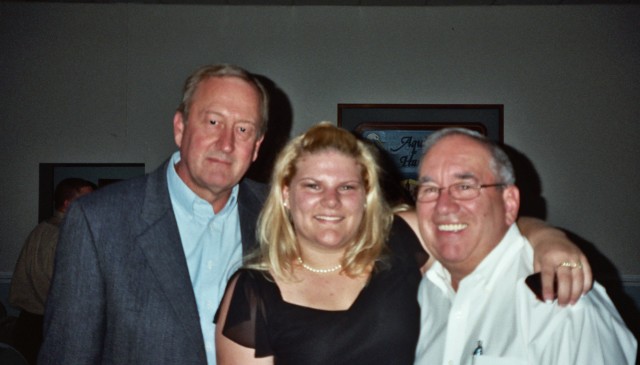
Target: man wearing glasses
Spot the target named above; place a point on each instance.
(476, 307)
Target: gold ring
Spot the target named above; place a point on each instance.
(571, 265)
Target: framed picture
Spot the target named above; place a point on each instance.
(100, 174)
(399, 129)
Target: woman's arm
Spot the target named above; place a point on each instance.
(411, 218)
(552, 248)
(227, 351)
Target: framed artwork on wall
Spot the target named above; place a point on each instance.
(399, 129)
(101, 174)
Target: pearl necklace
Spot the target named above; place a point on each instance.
(318, 271)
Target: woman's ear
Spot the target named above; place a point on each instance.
(285, 197)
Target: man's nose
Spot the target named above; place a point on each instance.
(226, 140)
(445, 203)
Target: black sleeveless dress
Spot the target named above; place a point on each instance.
(381, 326)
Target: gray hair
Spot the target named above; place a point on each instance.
(224, 70)
(500, 163)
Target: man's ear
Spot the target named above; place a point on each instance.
(65, 205)
(511, 198)
(257, 148)
(178, 128)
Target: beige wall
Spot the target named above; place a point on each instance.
(99, 83)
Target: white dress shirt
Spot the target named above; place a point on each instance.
(493, 305)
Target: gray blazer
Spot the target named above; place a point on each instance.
(121, 292)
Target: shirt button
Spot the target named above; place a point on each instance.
(210, 265)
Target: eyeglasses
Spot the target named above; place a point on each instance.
(427, 193)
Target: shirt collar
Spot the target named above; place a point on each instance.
(185, 199)
(490, 268)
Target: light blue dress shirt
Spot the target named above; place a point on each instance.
(212, 244)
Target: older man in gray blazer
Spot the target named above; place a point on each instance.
(141, 265)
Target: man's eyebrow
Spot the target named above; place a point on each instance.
(461, 176)
(466, 176)
(210, 112)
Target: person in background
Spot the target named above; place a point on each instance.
(476, 305)
(326, 286)
(32, 275)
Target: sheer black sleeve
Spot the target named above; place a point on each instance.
(246, 322)
(403, 239)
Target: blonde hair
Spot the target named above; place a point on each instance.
(276, 234)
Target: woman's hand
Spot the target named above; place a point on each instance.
(556, 257)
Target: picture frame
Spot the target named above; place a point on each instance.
(399, 129)
(101, 174)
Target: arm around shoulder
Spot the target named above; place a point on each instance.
(552, 248)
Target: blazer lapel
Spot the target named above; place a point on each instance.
(162, 247)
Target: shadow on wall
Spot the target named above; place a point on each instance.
(532, 204)
(280, 123)
(605, 272)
